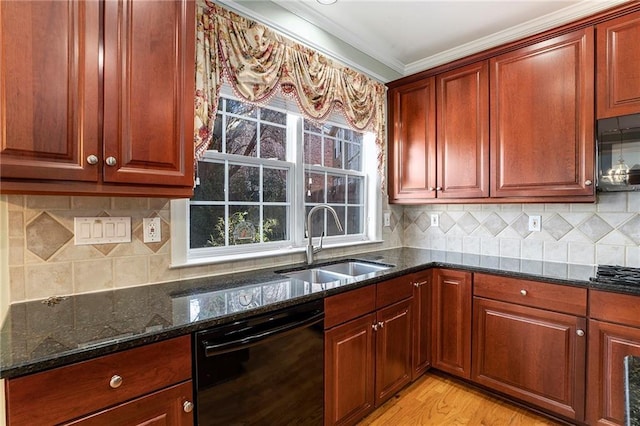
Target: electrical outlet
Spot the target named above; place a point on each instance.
(387, 219)
(435, 219)
(151, 230)
(535, 223)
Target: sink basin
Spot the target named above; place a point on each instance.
(316, 275)
(354, 268)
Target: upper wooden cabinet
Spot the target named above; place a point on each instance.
(412, 149)
(542, 119)
(618, 72)
(97, 97)
(462, 145)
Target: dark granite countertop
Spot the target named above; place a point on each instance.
(37, 336)
(632, 390)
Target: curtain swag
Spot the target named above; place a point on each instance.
(257, 62)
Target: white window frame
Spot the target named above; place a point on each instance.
(183, 255)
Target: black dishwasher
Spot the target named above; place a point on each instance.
(262, 370)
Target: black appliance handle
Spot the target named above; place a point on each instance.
(253, 339)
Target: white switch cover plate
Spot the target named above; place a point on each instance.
(152, 230)
(387, 219)
(435, 219)
(535, 223)
(101, 230)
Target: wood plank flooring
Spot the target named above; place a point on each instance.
(438, 400)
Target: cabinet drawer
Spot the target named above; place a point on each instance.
(614, 307)
(68, 392)
(349, 305)
(393, 291)
(554, 297)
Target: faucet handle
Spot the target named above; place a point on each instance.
(321, 237)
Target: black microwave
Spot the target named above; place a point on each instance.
(618, 153)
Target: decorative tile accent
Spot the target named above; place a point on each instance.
(494, 224)
(557, 227)
(45, 236)
(468, 223)
(595, 228)
(446, 222)
(631, 229)
(521, 225)
(423, 222)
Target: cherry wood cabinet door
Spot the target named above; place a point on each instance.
(393, 350)
(149, 89)
(608, 345)
(542, 115)
(463, 132)
(49, 89)
(618, 71)
(349, 371)
(165, 407)
(421, 282)
(532, 354)
(451, 322)
(412, 150)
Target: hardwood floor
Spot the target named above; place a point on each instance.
(438, 400)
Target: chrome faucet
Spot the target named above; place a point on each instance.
(311, 250)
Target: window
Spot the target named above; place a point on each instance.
(264, 171)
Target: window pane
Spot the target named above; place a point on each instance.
(244, 183)
(211, 186)
(273, 142)
(275, 223)
(330, 130)
(273, 116)
(206, 226)
(216, 140)
(356, 190)
(244, 225)
(310, 126)
(317, 221)
(352, 157)
(335, 189)
(275, 185)
(241, 108)
(354, 220)
(332, 229)
(312, 149)
(332, 153)
(314, 188)
(242, 137)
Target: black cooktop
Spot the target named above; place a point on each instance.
(611, 274)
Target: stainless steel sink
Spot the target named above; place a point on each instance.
(354, 268)
(316, 275)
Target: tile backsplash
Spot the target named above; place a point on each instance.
(43, 260)
(607, 232)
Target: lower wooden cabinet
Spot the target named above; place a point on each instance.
(535, 355)
(609, 343)
(451, 322)
(368, 358)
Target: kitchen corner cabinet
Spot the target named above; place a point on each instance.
(422, 291)
(462, 144)
(412, 142)
(618, 66)
(97, 97)
(451, 322)
(368, 346)
(542, 114)
(148, 384)
(614, 332)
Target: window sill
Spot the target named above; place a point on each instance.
(264, 254)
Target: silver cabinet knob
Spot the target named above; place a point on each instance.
(431, 188)
(92, 159)
(438, 188)
(588, 182)
(115, 381)
(187, 406)
(111, 161)
(580, 332)
(523, 292)
(381, 324)
(375, 327)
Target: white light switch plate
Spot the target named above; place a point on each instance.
(102, 230)
(151, 230)
(535, 223)
(435, 220)
(387, 219)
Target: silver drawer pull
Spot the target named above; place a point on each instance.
(187, 406)
(420, 283)
(115, 381)
(523, 292)
(580, 332)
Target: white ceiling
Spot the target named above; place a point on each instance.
(389, 39)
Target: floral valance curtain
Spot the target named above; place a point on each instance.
(257, 62)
